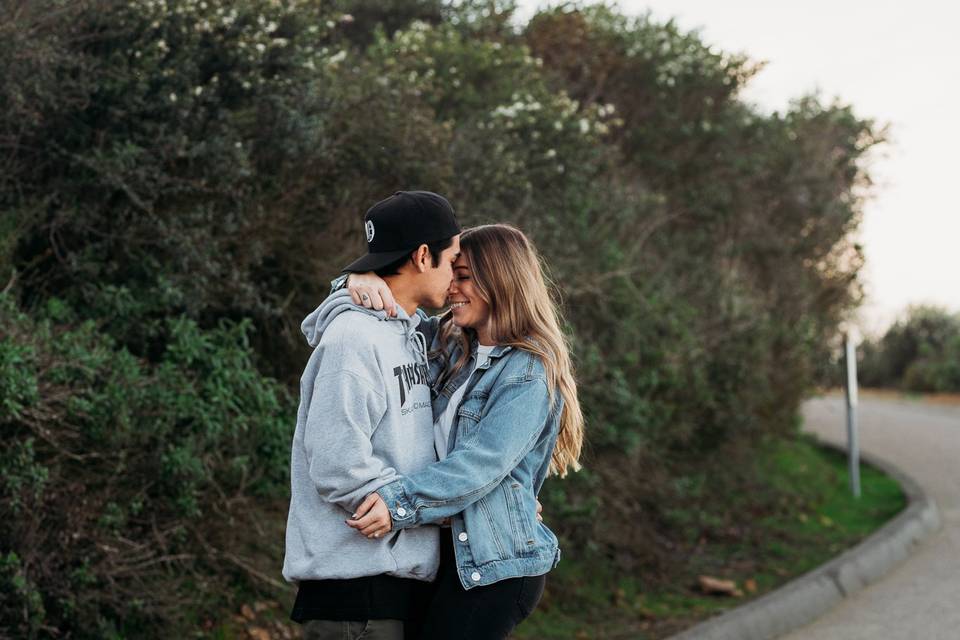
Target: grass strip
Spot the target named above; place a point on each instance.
(800, 515)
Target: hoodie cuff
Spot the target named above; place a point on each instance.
(399, 505)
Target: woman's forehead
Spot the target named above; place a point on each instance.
(462, 262)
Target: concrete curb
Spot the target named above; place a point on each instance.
(808, 597)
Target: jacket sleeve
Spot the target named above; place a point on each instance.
(343, 415)
(518, 412)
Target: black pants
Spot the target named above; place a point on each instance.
(482, 613)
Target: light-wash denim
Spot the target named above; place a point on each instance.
(499, 453)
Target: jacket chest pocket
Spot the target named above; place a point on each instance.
(468, 417)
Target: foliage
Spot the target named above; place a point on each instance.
(920, 352)
(118, 476)
(182, 178)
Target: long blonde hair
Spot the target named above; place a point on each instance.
(507, 272)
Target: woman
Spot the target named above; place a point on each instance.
(506, 414)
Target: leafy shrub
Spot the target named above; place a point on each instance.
(920, 352)
(183, 178)
(119, 476)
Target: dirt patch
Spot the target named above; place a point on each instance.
(944, 399)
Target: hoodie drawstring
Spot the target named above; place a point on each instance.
(421, 344)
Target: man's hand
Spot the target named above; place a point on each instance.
(372, 518)
(369, 290)
(539, 511)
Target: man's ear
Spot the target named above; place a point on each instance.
(421, 258)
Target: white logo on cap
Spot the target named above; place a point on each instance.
(370, 231)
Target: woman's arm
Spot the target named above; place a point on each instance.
(480, 460)
(371, 291)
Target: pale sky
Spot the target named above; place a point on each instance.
(897, 63)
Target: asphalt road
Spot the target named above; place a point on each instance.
(920, 599)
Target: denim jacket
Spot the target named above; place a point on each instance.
(499, 452)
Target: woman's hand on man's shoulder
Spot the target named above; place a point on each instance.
(371, 291)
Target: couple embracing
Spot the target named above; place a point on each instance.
(422, 442)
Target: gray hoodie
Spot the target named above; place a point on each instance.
(364, 419)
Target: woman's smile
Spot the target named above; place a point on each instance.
(468, 307)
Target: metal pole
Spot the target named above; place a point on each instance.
(853, 445)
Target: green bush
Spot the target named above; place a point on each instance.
(920, 352)
(118, 476)
(182, 179)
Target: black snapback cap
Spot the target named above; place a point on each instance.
(401, 223)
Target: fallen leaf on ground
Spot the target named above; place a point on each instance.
(717, 586)
(750, 585)
(247, 612)
(258, 633)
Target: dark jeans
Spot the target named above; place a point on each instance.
(347, 630)
(483, 613)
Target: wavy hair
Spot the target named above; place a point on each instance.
(506, 269)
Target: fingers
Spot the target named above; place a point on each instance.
(386, 298)
(376, 527)
(370, 291)
(365, 521)
(372, 526)
(365, 506)
(369, 297)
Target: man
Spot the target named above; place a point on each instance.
(364, 419)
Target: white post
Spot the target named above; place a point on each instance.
(853, 445)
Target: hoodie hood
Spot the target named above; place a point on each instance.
(340, 301)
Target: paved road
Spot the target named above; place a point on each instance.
(920, 599)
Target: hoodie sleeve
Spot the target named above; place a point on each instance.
(344, 411)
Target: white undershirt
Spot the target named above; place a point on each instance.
(441, 428)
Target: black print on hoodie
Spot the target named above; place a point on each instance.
(407, 376)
